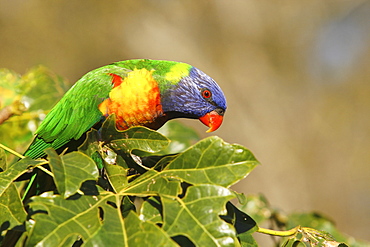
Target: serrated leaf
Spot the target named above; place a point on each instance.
(12, 212)
(145, 233)
(140, 138)
(210, 160)
(97, 220)
(205, 162)
(71, 170)
(197, 216)
(111, 231)
(63, 218)
(134, 138)
(15, 170)
(153, 182)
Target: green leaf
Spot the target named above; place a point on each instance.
(111, 231)
(153, 183)
(157, 162)
(311, 237)
(145, 233)
(322, 227)
(12, 212)
(127, 206)
(39, 89)
(197, 216)
(71, 170)
(244, 225)
(197, 165)
(134, 138)
(15, 170)
(247, 240)
(210, 160)
(181, 136)
(97, 220)
(21, 241)
(151, 210)
(117, 176)
(42, 88)
(91, 143)
(65, 218)
(141, 138)
(9, 86)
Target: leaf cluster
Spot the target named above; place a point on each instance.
(135, 187)
(26, 99)
(119, 192)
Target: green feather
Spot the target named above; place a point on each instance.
(78, 110)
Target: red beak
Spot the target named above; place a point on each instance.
(213, 120)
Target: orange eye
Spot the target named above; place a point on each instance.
(206, 94)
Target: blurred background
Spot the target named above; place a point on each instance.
(295, 73)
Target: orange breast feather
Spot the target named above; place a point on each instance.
(135, 101)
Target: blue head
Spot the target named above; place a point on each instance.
(196, 96)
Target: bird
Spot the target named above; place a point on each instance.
(140, 92)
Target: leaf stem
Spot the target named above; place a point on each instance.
(287, 233)
(46, 171)
(26, 116)
(11, 151)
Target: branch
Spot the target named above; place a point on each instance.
(16, 108)
(11, 151)
(287, 233)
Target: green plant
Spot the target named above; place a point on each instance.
(154, 190)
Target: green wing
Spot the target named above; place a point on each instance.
(76, 112)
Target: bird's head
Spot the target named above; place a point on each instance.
(196, 95)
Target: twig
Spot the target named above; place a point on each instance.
(16, 108)
(11, 151)
(287, 233)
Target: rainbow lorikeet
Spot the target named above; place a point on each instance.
(139, 92)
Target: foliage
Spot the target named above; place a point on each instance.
(138, 187)
(182, 195)
(37, 91)
(316, 229)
